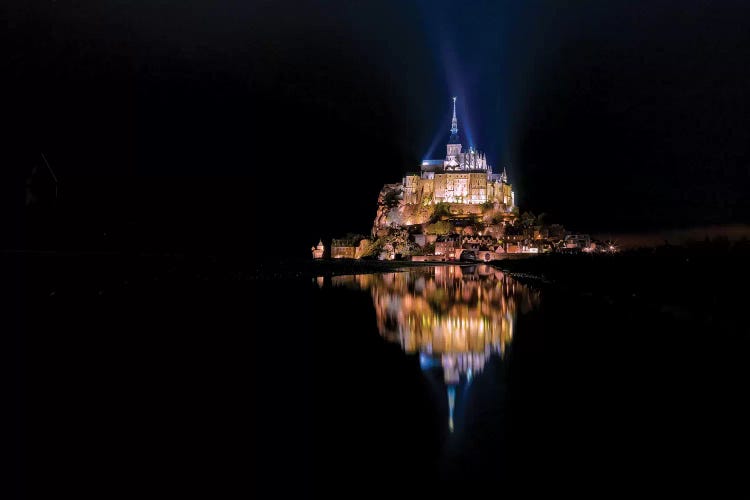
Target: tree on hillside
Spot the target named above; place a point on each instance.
(542, 219)
(399, 240)
(440, 210)
(528, 219)
(556, 231)
(392, 198)
(440, 227)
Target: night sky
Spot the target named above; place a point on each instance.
(182, 121)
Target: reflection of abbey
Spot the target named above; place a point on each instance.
(462, 177)
(455, 316)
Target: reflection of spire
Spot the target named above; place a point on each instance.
(451, 405)
(454, 126)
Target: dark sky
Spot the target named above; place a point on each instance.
(212, 122)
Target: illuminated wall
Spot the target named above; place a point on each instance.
(471, 188)
(411, 183)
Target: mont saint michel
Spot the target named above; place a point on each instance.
(463, 183)
(458, 206)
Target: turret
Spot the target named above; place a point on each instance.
(317, 251)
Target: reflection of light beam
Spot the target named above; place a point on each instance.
(426, 362)
(451, 405)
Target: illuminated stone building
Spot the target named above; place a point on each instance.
(317, 251)
(348, 249)
(451, 245)
(462, 177)
(446, 245)
(343, 249)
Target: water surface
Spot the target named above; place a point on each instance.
(151, 376)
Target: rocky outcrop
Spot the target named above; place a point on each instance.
(390, 198)
(392, 211)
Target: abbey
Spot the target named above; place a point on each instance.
(463, 177)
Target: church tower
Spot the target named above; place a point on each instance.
(454, 143)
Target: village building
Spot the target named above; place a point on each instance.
(318, 251)
(348, 248)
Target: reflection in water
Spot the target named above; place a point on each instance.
(455, 317)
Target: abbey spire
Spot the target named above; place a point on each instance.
(454, 126)
(454, 143)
